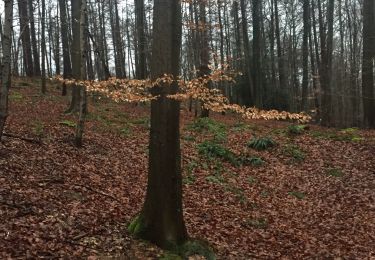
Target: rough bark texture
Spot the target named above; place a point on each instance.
(25, 36)
(141, 69)
(305, 54)
(368, 62)
(75, 55)
(161, 219)
(5, 66)
(65, 44)
(36, 64)
(79, 63)
(43, 47)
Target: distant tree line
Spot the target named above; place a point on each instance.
(300, 55)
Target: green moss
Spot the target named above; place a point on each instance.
(136, 226)
(195, 247)
(299, 195)
(68, 123)
(15, 96)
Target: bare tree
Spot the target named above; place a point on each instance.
(6, 61)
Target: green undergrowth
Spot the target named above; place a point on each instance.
(211, 150)
(191, 247)
(68, 123)
(293, 151)
(297, 194)
(242, 126)
(209, 125)
(189, 250)
(334, 172)
(297, 129)
(260, 223)
(15, 96)
(348, 135)
(38, 128)
(261, 143)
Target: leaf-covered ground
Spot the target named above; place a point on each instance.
(310, 195)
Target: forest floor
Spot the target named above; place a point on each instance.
(311, 195)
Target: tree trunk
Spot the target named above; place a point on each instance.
(141, 69)
(161, 219)
(36, 64)
(43, 21)
(257, 57)
(5, 66)
(368, 63)
(249, 90)
(75, 56)
(25, 36)
(305, 54)
(65, 44)
(79, 69)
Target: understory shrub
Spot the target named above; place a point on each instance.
(261, 143)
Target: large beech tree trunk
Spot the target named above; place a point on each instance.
(368, 62)
(5, 66)
(161, 219)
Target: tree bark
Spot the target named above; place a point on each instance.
(67, 73)
(6, 73)
(36, 65)
(368, 63)
(305, 54)
(80, 69)
(141, 70)
(25, 36)
(161, 219)
(43, 47)
(75, 53)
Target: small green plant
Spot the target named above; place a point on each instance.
(38, 128)
(251, 180)
(257, 223)
(126, 131)
(296, 129)
(261, 143)
(215, 179)
(334, 172)
(190, 177)
(207, 124)
(68, 123)
(145, 121)
(188, 138)
(295, 152)
(299, 195)
(15, 96)
(254, 161)
(348, 135)
(211, 149)
(238, 192)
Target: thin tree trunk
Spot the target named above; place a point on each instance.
(5, 66)
(43, 21)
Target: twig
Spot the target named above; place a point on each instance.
(97, 191)
(30, 140)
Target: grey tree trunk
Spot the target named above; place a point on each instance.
(5, 66)
(43, 21)
(141, 69)
(25, 36)
(368, 88)
(67, 73)
(79, 69)
(161, 219)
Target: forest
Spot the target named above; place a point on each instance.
(193, 129)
